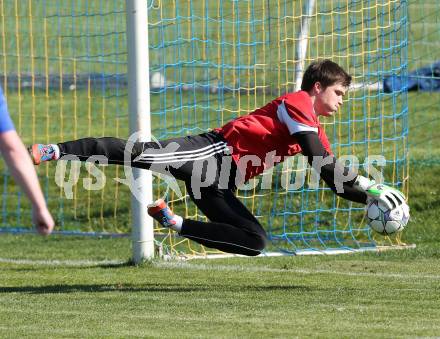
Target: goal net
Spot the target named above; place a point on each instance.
(64, 75)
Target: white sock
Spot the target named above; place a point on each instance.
(57, 151)
(179, 221)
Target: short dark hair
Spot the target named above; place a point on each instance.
(326, 72)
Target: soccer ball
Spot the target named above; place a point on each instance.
(387, 221)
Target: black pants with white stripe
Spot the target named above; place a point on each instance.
(204, 164)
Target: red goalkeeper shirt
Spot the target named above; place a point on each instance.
(266, 136)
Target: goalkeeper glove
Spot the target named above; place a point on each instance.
(386, 195)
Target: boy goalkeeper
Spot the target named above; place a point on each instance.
(212, 164)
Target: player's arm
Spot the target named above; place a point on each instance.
(354, 187)
(22, 169)
(340, 179)
(331, 171)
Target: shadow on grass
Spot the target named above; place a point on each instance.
(31, 266)
(96, 288)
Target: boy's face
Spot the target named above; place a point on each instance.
(328, 100)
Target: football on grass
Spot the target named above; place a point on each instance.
(387, 221)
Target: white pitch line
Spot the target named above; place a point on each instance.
(69, 263)
(186, 265)
(204, 267)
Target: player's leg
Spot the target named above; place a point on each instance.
(172, 156)
(231, 228)
(113, 149)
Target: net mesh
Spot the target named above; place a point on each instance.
(64, 75)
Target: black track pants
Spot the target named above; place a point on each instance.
(204, 164)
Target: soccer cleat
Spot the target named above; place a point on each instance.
(160, 211)
(41, 152)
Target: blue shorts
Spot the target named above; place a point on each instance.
(6, 123)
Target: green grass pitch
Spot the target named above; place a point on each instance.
(80, 287)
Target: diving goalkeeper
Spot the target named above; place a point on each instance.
(213, 164)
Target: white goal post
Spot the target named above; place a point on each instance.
(301, 48)
(139, 108)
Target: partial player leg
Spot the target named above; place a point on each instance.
(113, 149)
(160, 212)
(40, 153)
(173, 156)
(231, 228)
